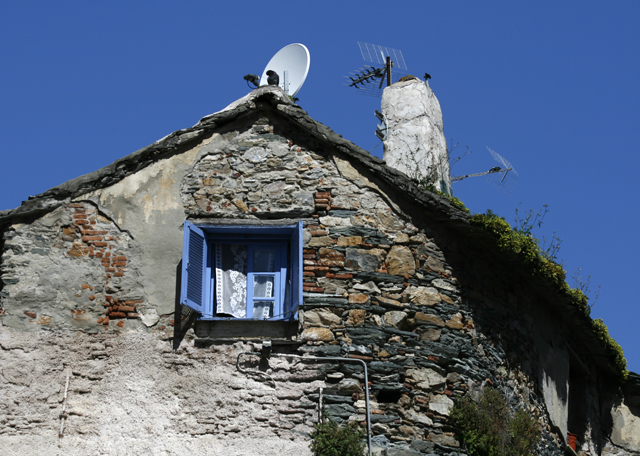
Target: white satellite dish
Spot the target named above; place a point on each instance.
(292, 65)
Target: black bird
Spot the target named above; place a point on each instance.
(253, 79)
(495, 169)
(273, 78)
(427, 76)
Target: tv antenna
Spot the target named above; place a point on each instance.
(288, 68)
(370, 79)
(503, 177)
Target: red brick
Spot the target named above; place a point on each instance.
(76, 205)
(79, 216)
(105, 321)
(117, 315)
(319, 233)
(120, 324)
(80, 210)
(100, 244)
(30, 314)
(126, 308)
(344, 276)
(308, 274)
(131, 302)
(118, 274)
(330, 275)
(133, 315)
(110, 269)
(92, 297)
(109, 298)
(121, 258)
(94, 233)
(313, 289)
(82, 222)
(91, 238)
(120, 263)
(108, 254)
(316, 268)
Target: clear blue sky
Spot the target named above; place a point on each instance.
(552, 86)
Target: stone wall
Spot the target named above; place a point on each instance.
(383, 283)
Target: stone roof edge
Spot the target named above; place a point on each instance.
(274, 96)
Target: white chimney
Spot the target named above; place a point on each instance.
(415, 141)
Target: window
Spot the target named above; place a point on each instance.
(242, 272)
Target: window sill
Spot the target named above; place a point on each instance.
(246, 329)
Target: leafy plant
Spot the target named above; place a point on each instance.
(490, 428)
(330, 439)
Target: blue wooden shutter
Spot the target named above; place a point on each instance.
(296, 269)
(194, 265)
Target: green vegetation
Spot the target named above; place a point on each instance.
(543, 264)
(457, 202)
(491, 428)
(330, 439)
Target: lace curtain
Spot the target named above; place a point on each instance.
(231, 279)
(231, 261)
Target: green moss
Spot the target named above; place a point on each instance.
(528, 250)
(457, 202)
(615, 350)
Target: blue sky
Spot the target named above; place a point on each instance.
(552, 86)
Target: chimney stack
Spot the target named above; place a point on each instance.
(415, 141)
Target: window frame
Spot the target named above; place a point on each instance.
(197, 274)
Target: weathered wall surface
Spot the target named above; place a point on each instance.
(432, 321)
(130, 393)
(416, 144)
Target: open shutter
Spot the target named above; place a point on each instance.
(194, 264)
(296, 269)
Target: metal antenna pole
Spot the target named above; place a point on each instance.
(388, 71)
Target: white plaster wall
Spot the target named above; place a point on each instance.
(416, 144)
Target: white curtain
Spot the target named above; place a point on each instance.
(231, 279)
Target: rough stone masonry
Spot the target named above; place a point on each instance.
(392, 275)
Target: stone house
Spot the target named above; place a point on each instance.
(200, 295)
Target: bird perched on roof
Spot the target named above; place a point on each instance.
(427, 76)
(253, 79)
(273, 78)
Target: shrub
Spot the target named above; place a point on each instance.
(330, 439)
(490, 428)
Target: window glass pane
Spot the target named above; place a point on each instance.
(264, 259)
(263, 286)
(263, 309)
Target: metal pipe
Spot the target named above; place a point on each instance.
(319, 359)
(348, 360)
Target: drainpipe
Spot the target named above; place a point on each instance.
(346, 360)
